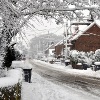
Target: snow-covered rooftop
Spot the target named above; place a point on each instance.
(59, 43)
(81, 31)
(50, 47)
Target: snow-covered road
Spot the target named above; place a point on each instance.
(43, 89)
(70, 76)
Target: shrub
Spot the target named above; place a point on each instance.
(11, 92)
(97, 55)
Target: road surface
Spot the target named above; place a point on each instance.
(88, 84)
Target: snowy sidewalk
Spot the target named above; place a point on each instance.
(42, 89)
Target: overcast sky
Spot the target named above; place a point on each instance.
(39, 25)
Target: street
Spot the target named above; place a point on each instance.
(88, 84)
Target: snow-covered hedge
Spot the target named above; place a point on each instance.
(13, 77)
(85, 57)
(10, 86)
(74, 55)
(11, 92)
(97, 55)
(82, 57)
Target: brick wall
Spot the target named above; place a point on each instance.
(87, 42)
(59, 49)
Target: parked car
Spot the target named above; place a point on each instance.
(95, 66)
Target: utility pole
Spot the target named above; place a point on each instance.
(67, 27)
(66, 32)
(48, 39)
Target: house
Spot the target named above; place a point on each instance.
(88, 39)
(50, 51)
(59, 49)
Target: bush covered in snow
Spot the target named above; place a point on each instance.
(85, 57)
(10, 85)
(74, 55)
(97, 55)
(82, 57)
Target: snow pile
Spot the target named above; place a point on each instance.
(97, 63)
(87, 72)
(13, 77)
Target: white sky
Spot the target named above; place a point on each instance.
(38, 26)
(42, 26)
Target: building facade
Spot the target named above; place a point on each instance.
(88, 39)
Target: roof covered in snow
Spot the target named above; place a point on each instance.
(60, 42)
(50, 47)
(81, 32)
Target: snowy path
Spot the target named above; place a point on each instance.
(41, 89)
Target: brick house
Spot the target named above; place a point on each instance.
(88, 39)
(59, 49)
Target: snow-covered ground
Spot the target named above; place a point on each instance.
(42, 89)
(68, 69)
